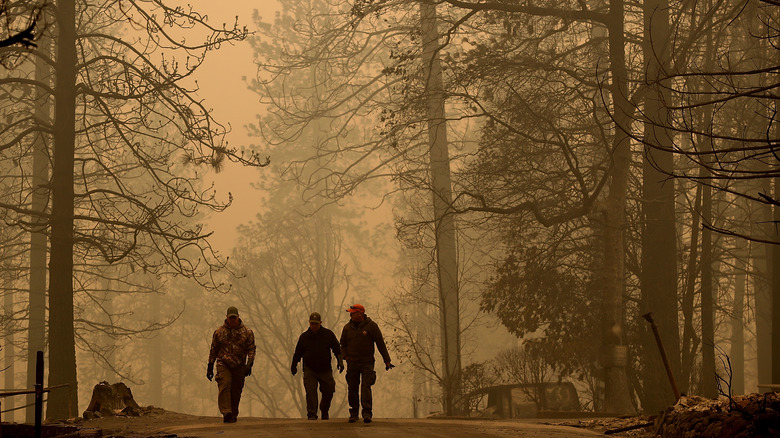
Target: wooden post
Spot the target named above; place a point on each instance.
(38, 392)
(649, 318)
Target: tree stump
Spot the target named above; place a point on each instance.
(110, 399)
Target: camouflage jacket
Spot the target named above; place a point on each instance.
(233, 347)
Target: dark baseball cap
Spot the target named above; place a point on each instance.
(315, 317)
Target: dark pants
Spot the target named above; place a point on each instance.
(327, 387)
(230, 382)
(360, 375)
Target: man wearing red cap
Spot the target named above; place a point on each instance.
(357, 346)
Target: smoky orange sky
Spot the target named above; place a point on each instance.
(222, 85)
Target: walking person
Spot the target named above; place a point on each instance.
(357, 345)
(315, 346)
(233, 351)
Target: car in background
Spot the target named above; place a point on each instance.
(526, 400)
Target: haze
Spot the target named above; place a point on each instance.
(513, 191)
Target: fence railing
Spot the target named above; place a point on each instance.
(769, 387)
(38, 390)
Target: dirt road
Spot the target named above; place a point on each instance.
(380, 428)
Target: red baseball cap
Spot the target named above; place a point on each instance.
(356, 308)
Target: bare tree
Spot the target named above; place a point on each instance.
(657, 76)
(594, 33)
(659, 235)
(123, 184)
(13, 312)
(19, 21)
(717, 86)
(721, 123)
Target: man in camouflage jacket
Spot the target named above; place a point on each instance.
(233, 351)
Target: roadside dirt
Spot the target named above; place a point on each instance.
(157, 423)
(742, 416)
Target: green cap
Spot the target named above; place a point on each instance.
(232, 311)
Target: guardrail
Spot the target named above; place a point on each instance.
(38, 390)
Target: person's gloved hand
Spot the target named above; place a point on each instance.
(294, 369)
(340, 367)
(388, 366)
(248, 370)
(210, 371)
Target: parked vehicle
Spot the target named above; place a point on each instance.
(532, 400)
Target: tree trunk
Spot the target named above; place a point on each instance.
(420, 380)
(110, 343)
(63, 402)
(763, 293)
(155, 354)
(775, 358)
(614, 353)
(659, 237)
(8, 368)
(180, 384)
(690, 340)
(775, 364)
(737, 352)
(36, 326)
(708, 382)
(444, 222)
(708, 385)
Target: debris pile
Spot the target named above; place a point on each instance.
(639, 426)
(742, 416)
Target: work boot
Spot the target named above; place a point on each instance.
(352, 419)
(312, 417)
(324, 416)
(228, 418)
(367, 420)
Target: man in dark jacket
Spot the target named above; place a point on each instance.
(357, 345)
(233, 350)
(314, 346)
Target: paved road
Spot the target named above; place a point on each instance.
(380, 428)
